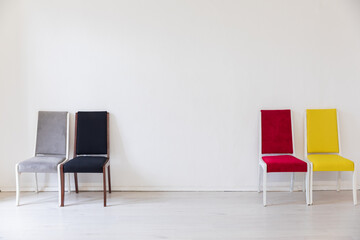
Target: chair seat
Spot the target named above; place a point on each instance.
(284, 163)
(325, 162)
(41, 164)
(85, 164)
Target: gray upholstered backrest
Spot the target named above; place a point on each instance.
(51, 133)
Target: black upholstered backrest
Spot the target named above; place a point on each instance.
(91, 133)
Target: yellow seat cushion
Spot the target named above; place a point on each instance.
(322, 132)
(325, 162)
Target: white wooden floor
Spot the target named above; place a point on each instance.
(180, 215)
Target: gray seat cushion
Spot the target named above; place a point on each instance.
(41, 164)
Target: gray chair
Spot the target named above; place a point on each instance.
(52, 148)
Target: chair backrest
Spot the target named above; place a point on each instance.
(276, 132)
(322, 131)
(91, 133)
(51, 138)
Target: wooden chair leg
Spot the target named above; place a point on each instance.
(59, 184)
(76, 183)
(62, 179)
(104, 184)
(109, 179)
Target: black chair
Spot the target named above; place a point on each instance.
(91, 149)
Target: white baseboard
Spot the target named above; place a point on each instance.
(319, 185)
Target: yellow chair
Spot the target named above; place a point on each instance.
(322, 146)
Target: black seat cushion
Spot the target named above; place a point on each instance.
(91, 133)
(85, 164)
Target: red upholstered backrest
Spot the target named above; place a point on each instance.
(276, 132)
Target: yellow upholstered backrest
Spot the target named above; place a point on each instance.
(322, 132)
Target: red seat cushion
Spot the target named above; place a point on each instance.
(284, 163)
(276, 132)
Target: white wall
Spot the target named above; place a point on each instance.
(183, 81)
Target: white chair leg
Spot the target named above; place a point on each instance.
(354, 188)
(36, 183)
(292, 182)
(259, 183)
(68, 181)
(338, 178)
(264, 185)
(17, 176)
(311, 185)
(306, 180)
(304, 183)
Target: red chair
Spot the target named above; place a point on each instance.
(277, 151)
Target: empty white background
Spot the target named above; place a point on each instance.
(183, 80)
